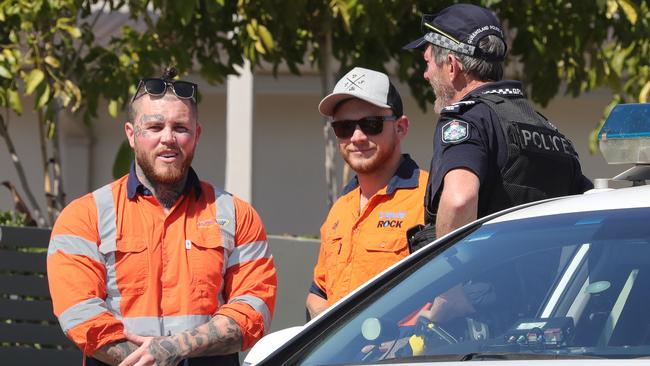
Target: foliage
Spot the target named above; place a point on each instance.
(368, 33)
(562, 46)
(12, 218)
(51, 57)
(581, 46)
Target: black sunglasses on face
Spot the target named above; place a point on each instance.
(158, 87)
(370, 126)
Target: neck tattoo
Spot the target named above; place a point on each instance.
(166, 194)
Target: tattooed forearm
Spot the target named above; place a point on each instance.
(219, 336)
(222, 337)
(114, 353)
(166, 351)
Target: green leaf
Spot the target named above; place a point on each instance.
(612, 8)
(250, 29)
(186, 11)
(50, 129)
(43, 97)
(629, 10)
(4, 72)
(33, 80)
(123, 160)
(74, 32)
(74, 90)
(260, 48)
(52, 61)
(9, 56)
(26, 25)
(14, 101)
(112, 108)
(265, 36)
(63, 22)
(645, 92)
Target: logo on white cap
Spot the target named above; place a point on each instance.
(354, 81)
(368, 85)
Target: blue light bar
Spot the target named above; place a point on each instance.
(625, 136)
(627, 121)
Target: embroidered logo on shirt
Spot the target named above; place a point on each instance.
(332, 229)
(455, 131)
(208, 222)
(391, 219)
(223, 222)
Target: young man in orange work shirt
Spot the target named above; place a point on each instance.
(159, 267)
(365, 230)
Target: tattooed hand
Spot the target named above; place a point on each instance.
(115, 352)
(158, 351)
(220, 336)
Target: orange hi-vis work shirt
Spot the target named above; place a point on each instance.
(117, 261)
(355, 246)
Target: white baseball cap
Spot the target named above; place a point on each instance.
(368, 85)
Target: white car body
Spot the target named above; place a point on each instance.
(624, 199)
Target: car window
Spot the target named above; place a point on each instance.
(571, 284)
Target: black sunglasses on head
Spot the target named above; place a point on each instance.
(157, 87)
(370, 126)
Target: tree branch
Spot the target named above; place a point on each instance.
(36, 210)
(47, 180)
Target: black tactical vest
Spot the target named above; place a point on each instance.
(541, 162)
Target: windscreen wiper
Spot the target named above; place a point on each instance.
(478, 356)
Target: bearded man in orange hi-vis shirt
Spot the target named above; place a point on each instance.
(159, 267)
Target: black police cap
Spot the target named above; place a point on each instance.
(460, 27)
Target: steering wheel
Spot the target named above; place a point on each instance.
(432, 331)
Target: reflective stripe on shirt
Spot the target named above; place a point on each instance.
(155, 326)
(249, 252)
(225, 214)
(81, 312)
(74, 245)
(258, 304)
(107, 229)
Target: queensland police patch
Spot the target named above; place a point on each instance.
(455, 131)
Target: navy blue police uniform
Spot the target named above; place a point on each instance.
(514, 162)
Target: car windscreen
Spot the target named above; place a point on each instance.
(572, 285)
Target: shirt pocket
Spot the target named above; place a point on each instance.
(383, 252)
(130, 266)
(388, 244)
(206, 260)
(333, 251)
(332, 261)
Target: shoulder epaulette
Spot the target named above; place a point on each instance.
(458, 106)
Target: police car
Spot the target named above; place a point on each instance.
(563, 281)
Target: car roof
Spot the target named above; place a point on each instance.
(595, 200)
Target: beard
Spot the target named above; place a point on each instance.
(369, 165)
(167, 174)
(444, 94)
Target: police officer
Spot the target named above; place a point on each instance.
(492, 150)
